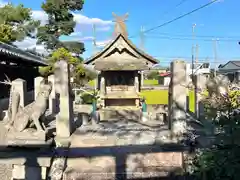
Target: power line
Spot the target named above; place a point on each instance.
(190, 39)
(199, 36)
(200, 59)
(180, 17)
(170, 10)
(176, 6)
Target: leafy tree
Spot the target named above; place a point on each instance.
(222, 159)
(76, 66)
(16, 23)
(60, 22)
(153, 74)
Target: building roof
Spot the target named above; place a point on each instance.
(121, 48)
(237, 63)
(15, 52)
(164, 74)
(123, 64)
(231, 66)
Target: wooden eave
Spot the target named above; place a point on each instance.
(15, 52)
(112, 64)
(108, 46)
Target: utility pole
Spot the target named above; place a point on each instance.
(215, 56)
(196, 58)
(142, 38)
(193, 37)
(94, 39)
(142, 46)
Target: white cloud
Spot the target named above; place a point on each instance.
(83, 21)
(74, 34)
(3, 3)
(30, 43)
(103, 43)
(86, 38)
(41, 16)
(105, 28)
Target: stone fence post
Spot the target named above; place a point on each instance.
(20, 85)
(178, 92)
(37, 82)
(64, 121)
(52, 98)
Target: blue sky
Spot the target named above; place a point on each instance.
(219, 19)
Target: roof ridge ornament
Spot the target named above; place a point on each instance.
(120, 26)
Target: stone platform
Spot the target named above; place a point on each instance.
(116, 113)
(124, 149)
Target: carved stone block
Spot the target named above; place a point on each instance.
(27, 138)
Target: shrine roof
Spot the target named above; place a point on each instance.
(121, 46)
(120, 64)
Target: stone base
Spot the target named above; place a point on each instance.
(137, 166)
(28, 139)
(114, 114)
(62, 141)
(29, 173)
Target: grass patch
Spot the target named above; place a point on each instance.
(157, 96)
(161, 97)
(146, 82)
(150, 82)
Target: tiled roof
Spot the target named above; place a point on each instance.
(25, 56)
(237, 63)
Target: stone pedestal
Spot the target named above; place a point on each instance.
(28, 139)
(84, 118)
(145, 117)
(20, 86)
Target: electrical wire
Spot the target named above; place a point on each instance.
(180, 17)
(197, 36)
(170, 10)
(190, 39)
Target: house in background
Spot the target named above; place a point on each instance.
(164, 78)
(232, 70)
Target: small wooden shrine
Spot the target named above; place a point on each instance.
(120, 64)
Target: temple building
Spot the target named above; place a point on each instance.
(16, 63)
(120, 64)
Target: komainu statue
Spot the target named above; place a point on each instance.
(22, 119)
